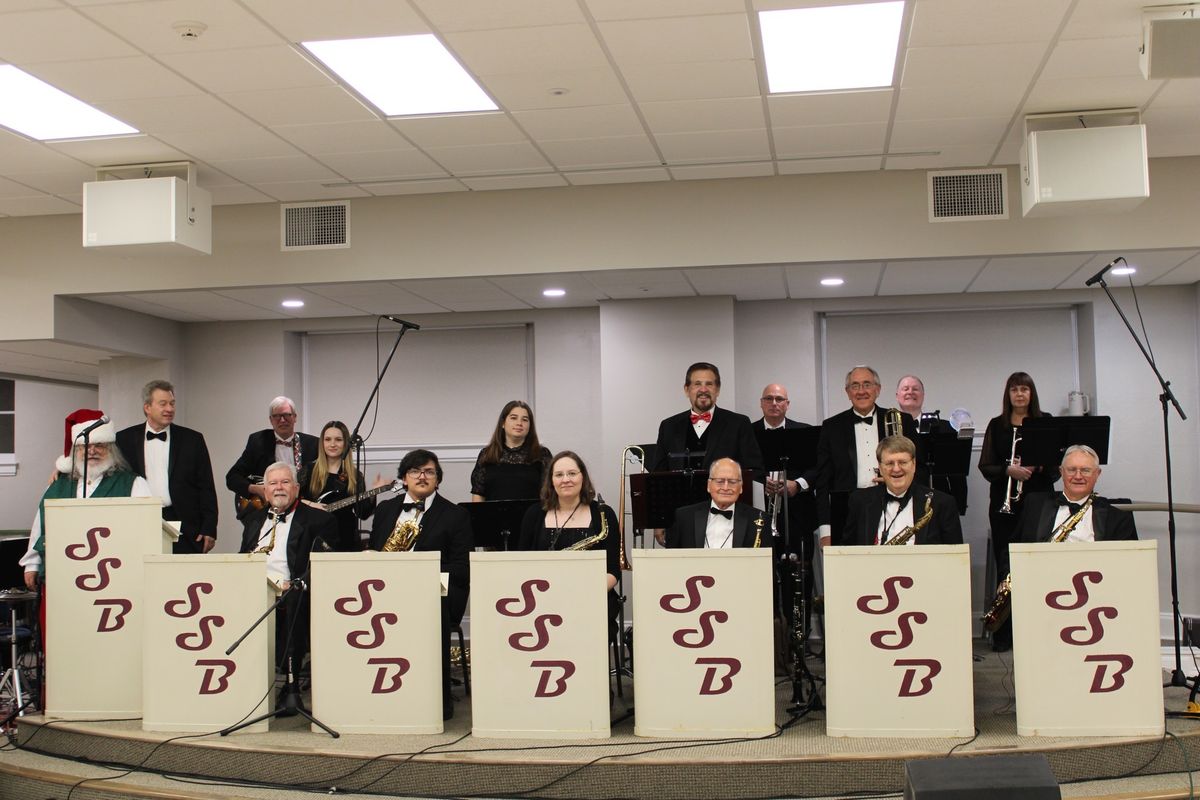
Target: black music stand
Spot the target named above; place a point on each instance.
(493, 522)
(655, 495)
(948, 460)
(1045, 439)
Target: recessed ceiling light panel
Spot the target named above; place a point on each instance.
(1124, 270)
(831, 48)
(403, 75)
(33, 107)
(292, 304)
(832, 281)
(554, 292)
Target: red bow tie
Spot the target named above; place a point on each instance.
(706, 416)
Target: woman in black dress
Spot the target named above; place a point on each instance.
(1020, 402)
(511, 466)
(333, 477)
(569, 515)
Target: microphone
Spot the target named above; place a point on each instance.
(401, 322)
(1099, 276)
(102, 421)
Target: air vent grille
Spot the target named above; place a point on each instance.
(966, 195)
(314, 226)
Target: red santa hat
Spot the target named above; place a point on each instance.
(75, 422)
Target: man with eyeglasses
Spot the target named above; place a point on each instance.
(439, 526)
(846, 451)
(720, 522)
(774, 403)
(281, 442)
(1044, 512)
(884, 513)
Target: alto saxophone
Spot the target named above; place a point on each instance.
(912, 530)
(1001, 605)
(402, 537)
(587, 542)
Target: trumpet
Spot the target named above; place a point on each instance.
(1013, 488)
(641, 454)
(893, 423)
(774, 501)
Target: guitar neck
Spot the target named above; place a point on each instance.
(349, 501)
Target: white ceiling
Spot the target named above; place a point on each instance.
(590, 91)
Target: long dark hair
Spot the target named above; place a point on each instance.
(549, 498)
(531, 445)
(1020, 379)
(320, 467)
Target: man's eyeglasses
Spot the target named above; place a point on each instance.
(281, 417)
(725, 481)
(1086, 472)
(421, 473)
(774, 398)
(858, 387)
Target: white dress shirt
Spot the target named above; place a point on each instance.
(157, 455)
(1083, 531)
(894, 519)
(866, 440)
(718, 534)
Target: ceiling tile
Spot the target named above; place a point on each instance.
(343, 137)
(235, 141)
(674, 40)
(238, 194)
(36, 206)
(861, 278)
(66, 181)
(311, 105)
(984, 100)
(416, 187)
(270, 297)
(211, 305)
(742, 282)
(704, 172)
(149, 25)
(714, 146)
(199, 114)
(304, 191)
(931, 276)
(613, 151)
(140, 305)
(638, 284)
(580, 123)
(808, 166)
(1077, 94)
(248, 69)
(528, 288)
(800, 110)
(19, 153)
(305, 22)
(1105, 18)
(464, 294)
(481, 15)
(1186, 273)
(1151, 265)
(59, 35)
(602, 176)
(526, 91)
(99, 80)
(640, 9)
(1177, 93)
(741, 113)
(957, 22)
(548, 47)
(460, 130)
(492, 159)
(1095, 58)
(1028, 272)
(704, 80)
(931, 134)
(375, 297)
(515, 182)
(383, 164)
(946, 157)
(830, 140)
(964, 67)
(282, 169)
(118, 150)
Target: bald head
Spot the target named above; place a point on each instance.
(774, 403)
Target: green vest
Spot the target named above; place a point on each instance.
(114, 484)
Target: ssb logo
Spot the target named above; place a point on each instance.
(918, 673)
(113, 610)
(217, 671)
(719, 670)
(389, 670)
(555, 673)
(1091, 632)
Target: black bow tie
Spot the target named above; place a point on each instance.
(866, 420)
(1072, 507)
(161, 436)
(278, 518)
(726, 513)
(901, 501)
(419, 506)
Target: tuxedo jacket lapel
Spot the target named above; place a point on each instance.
(1046, 519)
(1099, 518)
(700, 525)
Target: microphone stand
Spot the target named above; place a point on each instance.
(356, 441)
(290, 704)
(1178, 679)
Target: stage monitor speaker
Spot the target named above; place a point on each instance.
(1015, 777)
(155, 216)
(1170, 42)
(1095, 170)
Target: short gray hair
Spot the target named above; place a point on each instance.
(154, 386)
(874, 374)
(714, 464)
(278, 465)
(1082, 448)
(280, 402)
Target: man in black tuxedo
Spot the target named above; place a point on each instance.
(282, 442)
(802, 508)
(719, 522)
(1043, 513)
(705, 430)
(174, 461)
(846, 450)
(287, 531)
(880, 513)
(443, 527)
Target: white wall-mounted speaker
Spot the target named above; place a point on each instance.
(1084, 170)
(1171, 41)
(147, 215)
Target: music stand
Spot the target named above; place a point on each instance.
(494, 521)
(654, 496)
(1045, 439)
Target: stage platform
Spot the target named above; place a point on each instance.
(797, 761)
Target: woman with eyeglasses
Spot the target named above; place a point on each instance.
(512, 464)
(331, 477)
(569, 517)
(1020, 402)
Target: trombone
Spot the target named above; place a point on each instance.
(641, 456)
(1013, 488)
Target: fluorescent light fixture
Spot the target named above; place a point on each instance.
(831, 48)
(832, 281)
(554, 292)
(403, 75)
(292, 304)
(1124, 270)
(38, 110)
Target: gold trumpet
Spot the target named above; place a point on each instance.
(1013, 488)
(893, 423)
(641, 454)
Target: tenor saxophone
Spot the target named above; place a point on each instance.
(1001, 605)
(402, 537)
(912, 530)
